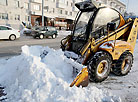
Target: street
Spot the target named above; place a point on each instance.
(12, 48)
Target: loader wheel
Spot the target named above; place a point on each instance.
(99, 66)
(123, 65)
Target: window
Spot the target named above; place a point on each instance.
(73, 8)
(67, 3)
(66, 12)
(4, 28)
(46, 8)
(3, 16)
(3, 2)
(81, 25)
(60, 11)
(105, 16)
(70, 13)
(71, 4)
(51, 28)
(17, 3)
(53, 10)
(0, 15)
(37, 7)
(6, 2)
(17, 17)
(28, 18)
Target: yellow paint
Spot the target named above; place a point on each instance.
(122, 21)
(101, 67)
(115, 49)
(83, 76)
(118, 49)
(87, 54)
(133, 34)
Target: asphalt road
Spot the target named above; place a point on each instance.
(12, 48)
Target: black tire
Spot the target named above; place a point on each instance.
(95, 65)
(41, 36)
(12, 37)
(54, 36)
(123, 65)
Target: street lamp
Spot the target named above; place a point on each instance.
(42, 12)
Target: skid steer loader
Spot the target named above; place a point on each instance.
(104, 41)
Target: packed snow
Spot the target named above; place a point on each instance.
(31, 78)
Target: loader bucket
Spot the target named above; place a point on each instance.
(81, 79)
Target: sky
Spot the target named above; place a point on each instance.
(132, 6)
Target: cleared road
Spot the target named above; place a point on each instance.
(11, 48)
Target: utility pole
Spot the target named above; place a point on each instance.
(29, 11)
(42, 12)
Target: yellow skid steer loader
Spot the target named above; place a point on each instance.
(104, 41)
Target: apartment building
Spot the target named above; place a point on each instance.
(117, 4)
(58, 13)
(13, 12)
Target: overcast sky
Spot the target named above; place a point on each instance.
(132, 6)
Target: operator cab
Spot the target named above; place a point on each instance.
(91, 22)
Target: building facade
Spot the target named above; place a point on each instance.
(13, 12)
(58, 13)
(117, 4)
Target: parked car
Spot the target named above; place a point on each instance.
(7, 32)
(45, 31)
(27, 31)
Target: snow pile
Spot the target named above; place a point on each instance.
(28, 78)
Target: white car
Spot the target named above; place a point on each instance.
(7, 32)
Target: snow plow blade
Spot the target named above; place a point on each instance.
(82, 79)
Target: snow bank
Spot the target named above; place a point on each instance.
(28, 78)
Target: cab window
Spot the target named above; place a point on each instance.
(104, 16)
